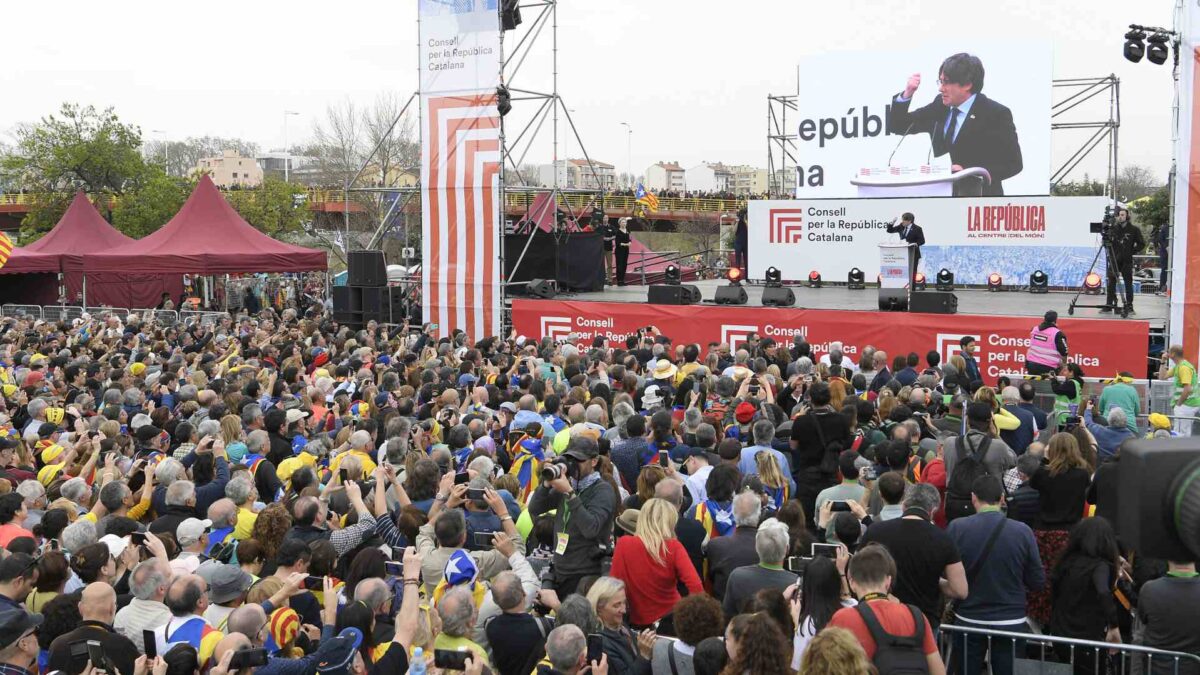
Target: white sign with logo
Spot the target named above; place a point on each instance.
(971, 237)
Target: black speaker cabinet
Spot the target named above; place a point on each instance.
(933, 302)
(374, 304)
(396, 304)
(733, 294)
(367, 268)
(543, 288)
(344, 307)
(664, 294)
(778, 296)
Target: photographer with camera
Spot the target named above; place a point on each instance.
(1126, 241)
(585, 507)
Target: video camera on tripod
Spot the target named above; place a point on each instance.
(1105, 227)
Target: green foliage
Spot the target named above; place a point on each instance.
(1152, 210)
(271, 207)
(154, 202)
(1087, 187)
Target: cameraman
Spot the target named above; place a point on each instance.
(1127, 241)
(586, 508)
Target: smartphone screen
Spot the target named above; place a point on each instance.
(664, 458)
(344, 474)
(393, 568)
(484, 539)
(447, 659)
(838, 505)
(462, 478)
(96, 656)
(595, 647)
(314, 583)
(825, 550)
(151, 645)
(138, 538)
(248, 658)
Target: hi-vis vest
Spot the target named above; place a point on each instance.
(1041, 347)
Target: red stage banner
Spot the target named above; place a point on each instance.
(1100, 346)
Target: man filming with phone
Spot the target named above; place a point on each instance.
(585, 507)
(446, 533)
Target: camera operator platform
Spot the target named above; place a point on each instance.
(1120, 241)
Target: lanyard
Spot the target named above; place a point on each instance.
(873, 596)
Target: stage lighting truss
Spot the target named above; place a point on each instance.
(672, 275)
(814, 279)
(944, 280)
(1039, 282)
(774, 277)
(919, 283)
(856, 279)
(1092, 283)
(995, 282)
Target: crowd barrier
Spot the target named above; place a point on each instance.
(1052, 655)
(1153, 395)
(165, 317)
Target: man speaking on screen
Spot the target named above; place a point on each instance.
(963, 121)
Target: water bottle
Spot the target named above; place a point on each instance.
(416, 665)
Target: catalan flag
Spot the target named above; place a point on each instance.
(716, 518)
(646, 199)
(6, 247)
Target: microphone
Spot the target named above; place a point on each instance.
(902, 137)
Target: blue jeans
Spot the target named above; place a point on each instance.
(1001, 651)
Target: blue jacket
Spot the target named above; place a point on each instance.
(1108, 439)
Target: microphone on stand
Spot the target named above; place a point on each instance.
(902, 137)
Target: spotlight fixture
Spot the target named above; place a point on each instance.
(919, 283)
(856, 279)
(503, 100)
(1092, 283)
(944, 280)
(994, 281)
(1039, 282)
(733, 293)
(510, 14)
(672, 275)
(1134, 48)
(734, 275)
(774, 277)
(1157, 50)
(814, 279)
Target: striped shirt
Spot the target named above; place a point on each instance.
(140, 615)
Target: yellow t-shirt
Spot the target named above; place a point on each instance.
(245, 524)
(291, 465)
(368, 464)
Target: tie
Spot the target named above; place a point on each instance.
(953, 124)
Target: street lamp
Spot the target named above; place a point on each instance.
(629, 150)
(287, 152)
(166, 151)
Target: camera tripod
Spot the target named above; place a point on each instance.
(1111, 260)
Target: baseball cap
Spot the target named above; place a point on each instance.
(14, 623)
(295, 415)
(116, 545)
(335, 656)
(509, 406)
(147, 432)
(582, 448)
(190, 530)
(227, 582)
(744, 412)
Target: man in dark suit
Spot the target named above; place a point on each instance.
(974, 129)
(910, 233)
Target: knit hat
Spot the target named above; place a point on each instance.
(236, 451)
(744, 412)
(284, 625)
(137, 368)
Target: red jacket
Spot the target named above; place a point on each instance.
(650, 587)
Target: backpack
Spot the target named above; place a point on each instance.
(968, 467)
(896, 654)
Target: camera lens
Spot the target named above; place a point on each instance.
(1183, 504)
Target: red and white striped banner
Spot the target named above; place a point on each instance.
(460, 166)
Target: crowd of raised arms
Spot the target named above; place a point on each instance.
(278, 494)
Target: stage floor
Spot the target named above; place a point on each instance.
(1148, 307)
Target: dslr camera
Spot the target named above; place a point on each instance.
(558, 468)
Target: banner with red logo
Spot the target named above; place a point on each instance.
(1101, 346)
(973, 237)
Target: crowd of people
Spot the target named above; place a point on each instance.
(278, 494)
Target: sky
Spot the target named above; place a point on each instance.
(690, 77)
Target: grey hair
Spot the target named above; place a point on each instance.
(671, 490)
(31, 490)
(146, 579)
(238, 489)
(168, 471)
(692, 417)
(746, 509)
(1010, 393)
(77, 535)
(594, 414)
(179, 492)
(37, 406)
(706, 435)
(741, 356)
(209, 427)
(75, 489)
(922, 496)
(764, 432)
(575, 610)
(373, 592)
(257, 440)
(621, 412)
(507, 591)
(187, 392)
(484, 466)
(360, 439)
(457, 611)
(804, 366)
(132, 396)
(771, 542)
(1117, 417)
(564, 645)
(251, 412)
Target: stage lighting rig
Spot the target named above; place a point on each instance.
(672, 275)
(944, 280)
(919, 283)
(510, 14)
(1157, 50)
(814, 279)
(1093, 283)
(995, 282)
(1039, 282)
(856, 280)
(503, 100)
(1162, 42)
(774, 277)
(1134, 47)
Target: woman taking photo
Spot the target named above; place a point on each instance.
(819, 596)
(653, 563)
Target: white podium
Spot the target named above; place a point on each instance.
(896, 263)
(923, 181)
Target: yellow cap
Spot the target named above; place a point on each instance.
(1159, 421)
(9, 389)
(137, 368)
(48, 473)
(55, 415)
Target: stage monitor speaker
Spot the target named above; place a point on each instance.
(367, 268)
(933, 302)
(733, 294)
(671, 294)
(778, 296)
(374, 307)
(542, 288)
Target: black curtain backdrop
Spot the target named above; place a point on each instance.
(580, 258)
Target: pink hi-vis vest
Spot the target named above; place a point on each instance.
(1041, 347)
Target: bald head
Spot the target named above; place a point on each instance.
(248, 620)
(99, 603)
(575, 414)
(527, 402)
(223, 513)
(374, 593)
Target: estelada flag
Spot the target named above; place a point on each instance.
(6, 247)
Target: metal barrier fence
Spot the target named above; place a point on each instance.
(1153, 395)
(962, 649)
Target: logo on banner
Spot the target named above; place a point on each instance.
(787, 226)
(733, 335)
(949, 344)
(556, 327)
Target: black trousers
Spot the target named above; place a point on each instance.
(622, 254)
(1124, 268)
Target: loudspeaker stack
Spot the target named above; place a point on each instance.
(367, 297)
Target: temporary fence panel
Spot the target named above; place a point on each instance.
(22, 310)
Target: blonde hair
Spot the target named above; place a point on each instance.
(1063, 454)
(960, 363)
(769, 470)
(263, 590)
(835, 651)
(231, 429)
(604, 589)
(656, 526)
(887, 403)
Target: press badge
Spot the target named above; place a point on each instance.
(563, 538)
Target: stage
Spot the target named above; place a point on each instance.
(1150, 308)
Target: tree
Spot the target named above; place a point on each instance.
(1087, 187)
(149, 207)
(271, 207)
(80, 148)
(1136, 181)
(180, 158)
(1154, 210)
